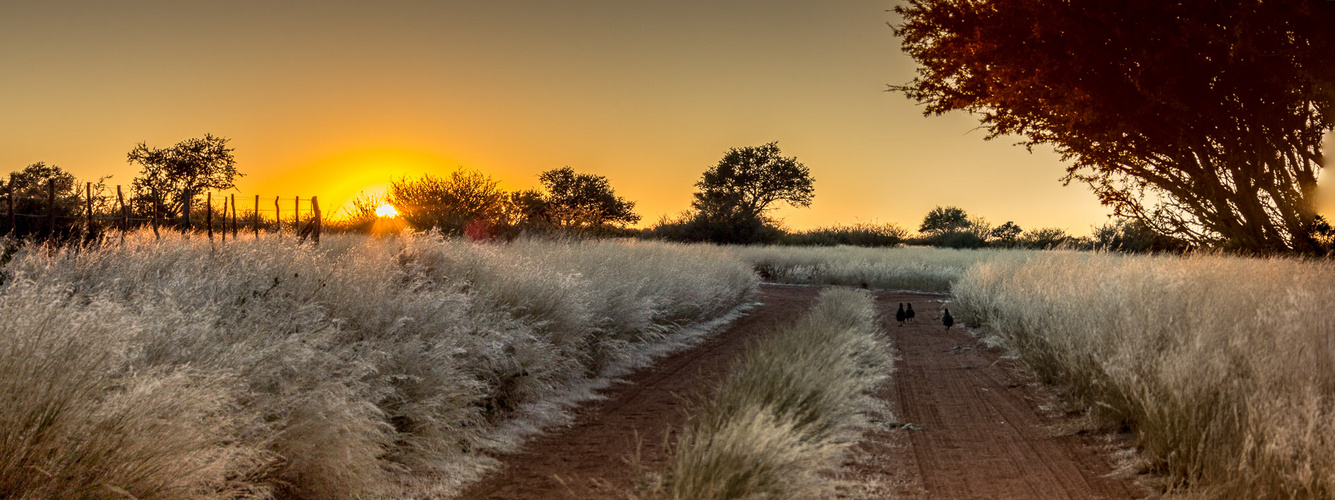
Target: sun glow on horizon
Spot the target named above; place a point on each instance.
(386, 210)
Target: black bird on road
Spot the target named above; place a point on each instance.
(909, 313)
(947, 320)
(900, 315)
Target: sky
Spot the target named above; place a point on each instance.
(334, 98)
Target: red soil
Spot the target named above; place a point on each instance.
(977, 427)
(589, 459)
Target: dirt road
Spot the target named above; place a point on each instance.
(976, 429)
(588, 459)
(975, 426)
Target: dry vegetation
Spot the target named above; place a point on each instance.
(786, 412)
(1221, 366)
(900, 268)
(179, 369)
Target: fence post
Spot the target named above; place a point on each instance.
(185, 210)
(255, 217)
(277, 217)
(233, 216)
(315, 207)
(296, 217)
(13, 219)
(125, 213)
(208, 216)
(51, 208)
(155, 213)
(88, 210)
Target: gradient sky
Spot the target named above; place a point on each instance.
(334, 97)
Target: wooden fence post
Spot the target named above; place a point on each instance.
(234, 216)
(155, 213)
(88, 210)
(277, 217)
(296, 217)
(208, 216)
(185, 210)
(315, 207)
(51, 208)
(255, 217)
(125, 213)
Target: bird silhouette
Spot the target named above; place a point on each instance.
(908, 315)
(947, 319)
(900, 315)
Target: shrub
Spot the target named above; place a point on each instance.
(861, 234)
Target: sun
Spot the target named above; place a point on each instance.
(386, 210)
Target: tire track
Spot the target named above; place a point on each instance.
(979, 431)
(588, 459)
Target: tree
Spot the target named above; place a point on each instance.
(31, 187)
(944, 220)
(527, 210)
(1202, 119)
(180, 172)
(1006, 234)
(1132, 236)
(582, 201)
(748, 181)
(451, 204)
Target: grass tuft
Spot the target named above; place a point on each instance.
(787, 410)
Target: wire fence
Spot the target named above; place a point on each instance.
(70, 214)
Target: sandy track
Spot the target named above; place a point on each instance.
(588, 459)
(981, 433)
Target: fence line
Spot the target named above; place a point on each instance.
(50, 208)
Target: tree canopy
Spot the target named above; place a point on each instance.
(181, 171)
(1202, 119)
(944, 220)
(748, 181)
(1006, 234)
(580, 201)
(449, 204)
(30, 188)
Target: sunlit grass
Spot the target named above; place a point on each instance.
(182, 368)
(899, 268)
(786, 412)
(1222, 366)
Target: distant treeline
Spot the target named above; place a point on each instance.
(944, 227)
(732, 205)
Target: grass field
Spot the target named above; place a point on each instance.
(1222, 366)
(900, 268)
(784, 414)
(183, 369)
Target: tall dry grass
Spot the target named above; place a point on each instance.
(180, 369)
(1222, 366)
(788, 409)
(898, 268)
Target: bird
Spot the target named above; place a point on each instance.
(900, 315)
(947, 319)
(908, 315)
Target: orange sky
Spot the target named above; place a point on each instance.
(329, 98)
